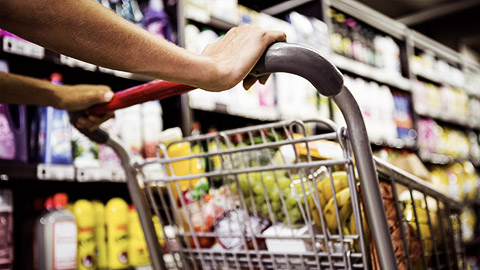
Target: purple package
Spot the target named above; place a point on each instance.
(7, 138)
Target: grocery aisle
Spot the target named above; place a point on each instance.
(280, 193)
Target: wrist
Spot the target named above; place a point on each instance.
(56, 94)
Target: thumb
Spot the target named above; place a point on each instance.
(85, 96)
(97, 94)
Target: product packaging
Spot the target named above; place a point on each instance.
(100, 234)
(56, 237)
(116, 220)
(137, 247)
(6, 229)
(87, 246)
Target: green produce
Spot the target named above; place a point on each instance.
(284, 196)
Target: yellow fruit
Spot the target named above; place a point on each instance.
(325, 189)
(345, 209)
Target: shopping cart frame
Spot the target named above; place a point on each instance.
(325, 77)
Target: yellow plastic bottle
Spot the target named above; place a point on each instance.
(116, 219)
(158, 230)
(100, 234)
(137, 247)
(182, 167)
(85, 216)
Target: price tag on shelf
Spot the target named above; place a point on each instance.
(91, 174)
(72, 62)
(117, 174)
(55, 172)
(22, 47)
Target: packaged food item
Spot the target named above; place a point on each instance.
(281, 238)
(235, 223)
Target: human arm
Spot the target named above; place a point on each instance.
(86, 30)
(17, 89)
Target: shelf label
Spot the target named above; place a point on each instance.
(22, 47)
(55, 172)
(72, 62)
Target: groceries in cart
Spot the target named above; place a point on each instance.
(278, 188)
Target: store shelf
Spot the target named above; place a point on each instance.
(394, 143)
(202, 16)
(439, 159)
(285, 6)
(256, 113)
(447, 118)
(57, 172)
(434, 77)
(16, 46)
(370, 72)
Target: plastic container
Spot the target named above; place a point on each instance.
(183, 167)
(100, 234)
(6, 229)
(137, 247)
(56, 237)
(54, 139)
(87, 246)
(152, 125)
(116, 219)
(13, 132)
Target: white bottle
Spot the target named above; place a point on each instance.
(56, 237)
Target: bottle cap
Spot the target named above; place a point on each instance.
(56, 77)
(48, 203)
(169, 135)
(60, 200)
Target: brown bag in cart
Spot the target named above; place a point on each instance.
(414, 245)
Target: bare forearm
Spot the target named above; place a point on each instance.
(16, 89)
(86, 30)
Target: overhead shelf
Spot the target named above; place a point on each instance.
(370, 72)
(448, 118)
(12, 45)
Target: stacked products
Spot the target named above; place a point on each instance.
(90, 235)
(356, 40)
(436, 139)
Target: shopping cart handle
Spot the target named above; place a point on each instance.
(301, 61)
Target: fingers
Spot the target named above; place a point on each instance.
(277, 36)
(263, 79)
(249, 81)
(93, 122)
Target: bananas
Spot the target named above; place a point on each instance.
(419, 223)
(327, 203)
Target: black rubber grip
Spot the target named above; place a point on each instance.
(98, 135)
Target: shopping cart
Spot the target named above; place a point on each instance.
(276, 196)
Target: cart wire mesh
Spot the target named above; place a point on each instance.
(274, 196)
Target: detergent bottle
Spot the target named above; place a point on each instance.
(116, 219)
(137, 249)
(100, 234)
(56, 237)
(85, 216)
